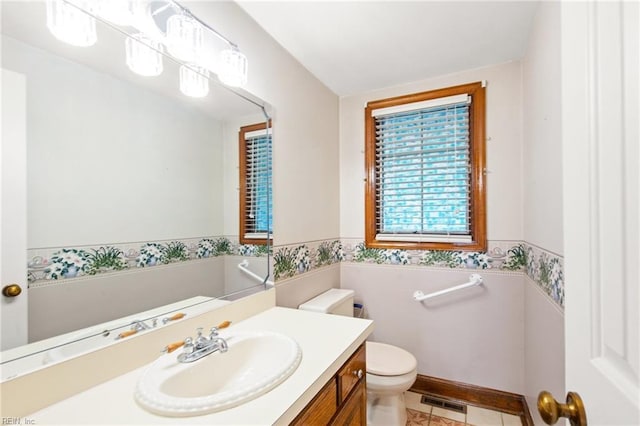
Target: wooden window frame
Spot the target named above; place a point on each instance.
(477, 138)
(243, 183)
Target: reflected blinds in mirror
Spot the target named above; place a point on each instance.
(255, 183)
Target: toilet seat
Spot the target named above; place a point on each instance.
(389, 360)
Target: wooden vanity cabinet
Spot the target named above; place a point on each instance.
(343, 400)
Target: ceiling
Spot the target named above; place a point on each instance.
(359, 46)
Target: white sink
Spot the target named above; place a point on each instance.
(255, 363)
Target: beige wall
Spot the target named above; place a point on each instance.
(504, 148)
(544, 321)
(305, 147)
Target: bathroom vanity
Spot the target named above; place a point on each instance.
(343, 400)
(328, 384)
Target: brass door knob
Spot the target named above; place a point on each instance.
(11, 290)
(551, 410)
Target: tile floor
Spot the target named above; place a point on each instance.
(419, 414)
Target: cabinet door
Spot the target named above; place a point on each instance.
(351, 373)
(322, 408)
(354, 410)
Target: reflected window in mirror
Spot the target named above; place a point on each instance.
(255, 183)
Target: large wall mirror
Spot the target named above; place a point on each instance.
(132, 188)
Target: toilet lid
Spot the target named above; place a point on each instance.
(389, 360)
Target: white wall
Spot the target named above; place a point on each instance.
(306, 159)
(476, 339)
(65, 306)
(542, 152)
(90, 135)
(292, 292)
(305, 144)
(472, 337)
(504, 149)
(544, 347)
(544, 331)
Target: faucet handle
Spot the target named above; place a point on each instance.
(188, 345)
(126, 334)
(173, 317)
(173, 346)
(214, 330)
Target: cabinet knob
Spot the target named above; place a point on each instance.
(11, 290)
(358, 373)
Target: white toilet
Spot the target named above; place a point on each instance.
(390, 370)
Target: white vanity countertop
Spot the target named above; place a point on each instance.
(326, 341)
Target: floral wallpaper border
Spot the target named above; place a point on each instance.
(297, 259)
(547, 270)
(544, 268)
(73, 262)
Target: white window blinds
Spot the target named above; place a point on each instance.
(423, 171)
(257, 206)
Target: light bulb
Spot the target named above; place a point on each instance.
(184, 37)
(144, 55)
(194, 81)
(70, 24)
(233, 68)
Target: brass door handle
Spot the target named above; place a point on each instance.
(11, 290)
(551, 410)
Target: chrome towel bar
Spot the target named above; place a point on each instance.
(474, 280)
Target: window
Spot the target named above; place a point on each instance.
(425, 160)
(255, 183)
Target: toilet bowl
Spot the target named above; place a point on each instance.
(390, 370)
(390, 373)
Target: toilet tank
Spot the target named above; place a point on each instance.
(334, 301)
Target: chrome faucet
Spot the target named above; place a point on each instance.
(139, 325)
(202, 346)
(136, 326)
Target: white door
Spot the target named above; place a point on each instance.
(13, 212)
(600, 116)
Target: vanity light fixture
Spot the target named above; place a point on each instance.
(194, 81)
(144, 55)
(69, 23)
(73, 22)
(184, 37)
(233, 67)
(120, 12)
